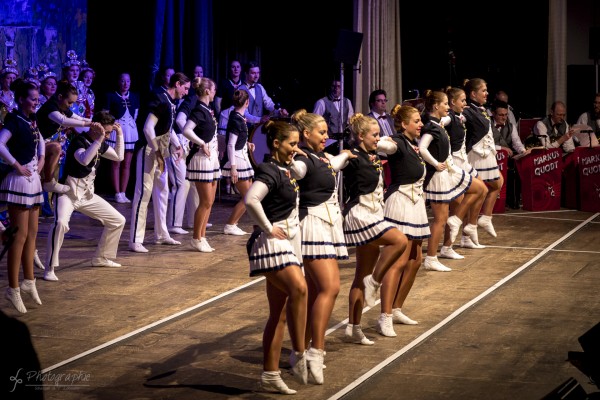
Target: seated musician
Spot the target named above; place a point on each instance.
(553, 131)
(591, 120)
(507, 138)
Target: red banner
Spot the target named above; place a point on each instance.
(540, 174)
(588, 171)
(502, 158)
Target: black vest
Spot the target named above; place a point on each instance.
(24, 139)
(72, 166)
(477, 124)
(319, 183)
(361, 176)
(439, 146)
(554, 134)
(503, 137)
(206, 126)
(237, 125)
(46, 125)
(406, 165)
(592, 121)
(281, 200)
(457, 131)
(332, 115)
(117, 105)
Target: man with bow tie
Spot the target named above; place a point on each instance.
(329, 108)
(505, 132)
(507, 138)
(378, 104)
(260, 102)
(501, 95)
(553, 131)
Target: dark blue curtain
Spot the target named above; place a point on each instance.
(183, 35)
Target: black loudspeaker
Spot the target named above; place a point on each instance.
(581, 88)
(595, 43)
(590, 342)
(588, 360)
(568, 390)
(348, 46)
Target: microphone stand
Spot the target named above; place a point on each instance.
(589, 132)
(339, 177)
(590, 137)
(340, 138)
(452, 66)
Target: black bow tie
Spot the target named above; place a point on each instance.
(499, 126)
(335, 100)
(382, 117)
(251, 86)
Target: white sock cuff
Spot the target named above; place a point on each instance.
(271, 374)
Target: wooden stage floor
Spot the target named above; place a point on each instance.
(179, 324)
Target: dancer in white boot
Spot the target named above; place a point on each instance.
(37, 262)
(124, 105)
(203, 169)
(274, 251)
(22, 147)
(444, 181)
(405, 209)
(481, 148)
(238, 167)
(323, 242)
(378, 243)
(468, 207)
(81, 163)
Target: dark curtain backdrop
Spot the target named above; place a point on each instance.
(140, 39)
(183, 35)
(294, 47)
(507, 47)
(123, 36)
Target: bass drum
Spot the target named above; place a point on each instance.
(261, 150)
(259, 138)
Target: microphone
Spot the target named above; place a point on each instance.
(583, 128)
(544, 140)
(452, 57)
